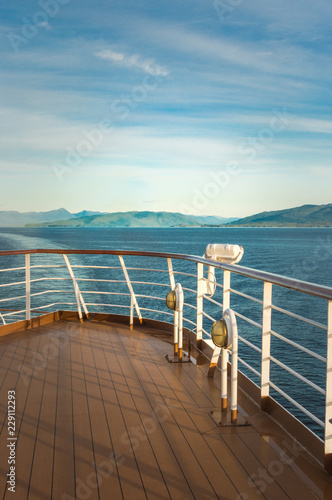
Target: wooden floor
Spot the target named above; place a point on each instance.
(101, 414)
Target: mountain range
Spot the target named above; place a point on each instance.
(86, 218)
(304, 216)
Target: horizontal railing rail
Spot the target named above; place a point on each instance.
(204, 303)
(276, 279)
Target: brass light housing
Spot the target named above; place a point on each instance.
(171, 300)
(219, 333)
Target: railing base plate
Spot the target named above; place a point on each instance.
(223, 419)
(175, 359)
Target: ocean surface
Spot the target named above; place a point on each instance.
(302, 253)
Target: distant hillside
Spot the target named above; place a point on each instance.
(86, 213)
(305, 216)
(213, 220)
(19, 219)
(88, 218)
(127, 219)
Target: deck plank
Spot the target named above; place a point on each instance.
(42, 465)
(85, 468)
(192, 468)
(16, 351)
(103, 447)
(123, 462)
(152, 478)
(278, 468)
(153, 414)
(236, 473)
(213, 471)
(63, 460)
(259, 475)
(19, 378)
(30, 419)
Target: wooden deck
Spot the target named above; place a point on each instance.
(101, 414)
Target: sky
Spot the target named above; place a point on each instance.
(205, 107)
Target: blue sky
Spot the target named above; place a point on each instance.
(205, 107)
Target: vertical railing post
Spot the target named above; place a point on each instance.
(130, 288)
(176, 313)
(27, 288)
(226, 291)
(78, 295)
(234, 371)
(176, 332)
(131, 312)
(225, 352)
(79, 310)
(200, 292)
(180, 320)
(328, 402)
(171, 273)
(266, 345)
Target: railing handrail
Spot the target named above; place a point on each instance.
(297, 285)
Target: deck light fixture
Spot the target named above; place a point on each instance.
(172, 300)
(222, 330)
(224, 335)
(219, 333)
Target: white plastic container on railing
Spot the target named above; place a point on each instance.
(223, 253)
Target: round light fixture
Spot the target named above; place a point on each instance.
(219, 333)
(171, 300)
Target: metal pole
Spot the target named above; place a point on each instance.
(79, 297)
(171, 273)
(234, 368)
(79, 310)
(225, 353)
(2, 319)
(131, 312)
(200, 293)
(266, 345)
(180, 292)
(27, 288)
(130, 288)
(176, 312)
(176, 332)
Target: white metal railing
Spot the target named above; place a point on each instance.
(134, 293)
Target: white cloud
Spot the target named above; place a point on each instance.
(133, 61)
(271, 56)
(312, 125)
